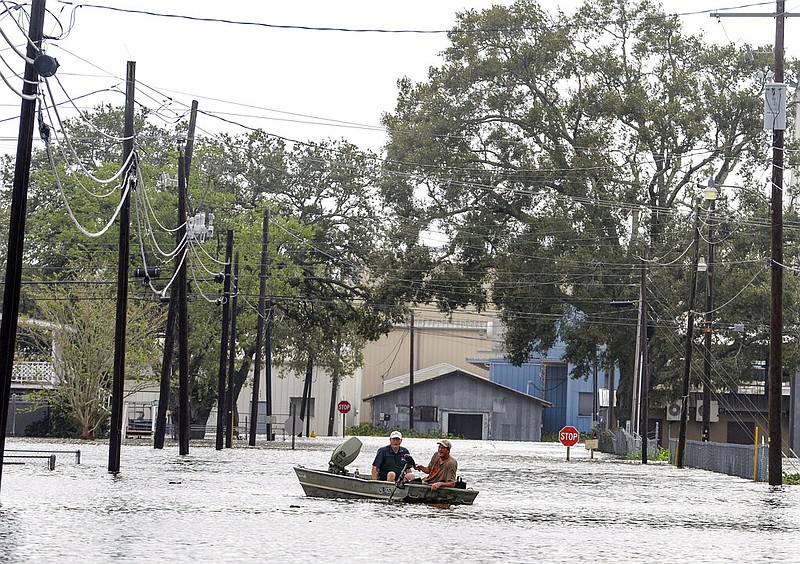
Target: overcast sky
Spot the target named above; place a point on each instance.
(302, 84)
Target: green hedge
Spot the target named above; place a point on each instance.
(366, 430)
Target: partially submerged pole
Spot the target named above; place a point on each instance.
(16, 224)
(120, 331)
(221, 380)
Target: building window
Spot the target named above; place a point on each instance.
(428, 413)
(585, 404)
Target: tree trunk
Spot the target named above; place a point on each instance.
(334, 394)
(307, 392)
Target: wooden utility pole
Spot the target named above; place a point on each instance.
(166, 368)
(775, 375)
(411, 372)
(611, 424)
(231, 398)
(262, 302)
(182, 319)
(689, 344)
(595, 392)
(118, 386)
(644, 396)
(776, 286)
(223, 348)
(708, 330)
(169, 335)
(16, 223)
(268, 369)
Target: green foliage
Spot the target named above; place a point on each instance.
(81, 332)
(556, 152)
(792, 479)
(366, 430)
(660, 455)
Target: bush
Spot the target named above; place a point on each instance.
(366, 430)
(660, 455)
(791, 479)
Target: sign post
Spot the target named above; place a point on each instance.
(569, 436)
(344, 408)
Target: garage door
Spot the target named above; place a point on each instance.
(467, 425)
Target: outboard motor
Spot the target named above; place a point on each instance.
(344, 454)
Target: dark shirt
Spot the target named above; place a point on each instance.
(387, 461)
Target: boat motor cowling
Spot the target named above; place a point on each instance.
(344, 454)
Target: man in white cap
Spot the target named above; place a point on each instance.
(389, 462)
(442, 468)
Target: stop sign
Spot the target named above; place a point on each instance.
(344, 406)
(569, 436)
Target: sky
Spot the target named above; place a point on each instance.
(301, 84)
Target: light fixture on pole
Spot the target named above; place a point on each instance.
(710, 191)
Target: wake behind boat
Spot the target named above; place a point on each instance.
(338, 483)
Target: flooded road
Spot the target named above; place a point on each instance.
(245, 504)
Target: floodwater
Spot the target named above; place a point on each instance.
(245, 504)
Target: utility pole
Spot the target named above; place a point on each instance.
(118, 386)
(635, 415)
(611, 423)
(169, 335)
(166, 369)
(223, 348)
(262, 301)
(775, 473)
(411, 372)
(182, 318)
(268, 369)
(595, 402)
(644, 363)
(689, 344)
(709, 321)
(231, 409)
(16, 223)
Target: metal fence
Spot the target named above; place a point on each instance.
(725, 458)
(623, 443)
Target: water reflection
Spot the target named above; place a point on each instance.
(245, 504)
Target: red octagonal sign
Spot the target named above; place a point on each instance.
(569, 436)
(344, 406)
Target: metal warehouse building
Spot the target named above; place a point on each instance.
(462, 404)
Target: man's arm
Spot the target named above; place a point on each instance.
(435, 486)
(377, 463)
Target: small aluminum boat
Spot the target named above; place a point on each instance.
(337, 482)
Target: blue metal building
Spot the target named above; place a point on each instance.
(577, 402)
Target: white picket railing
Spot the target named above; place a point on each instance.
(39, 374)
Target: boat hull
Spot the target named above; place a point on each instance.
(320, 483)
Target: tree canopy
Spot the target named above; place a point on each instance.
(559, 154)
